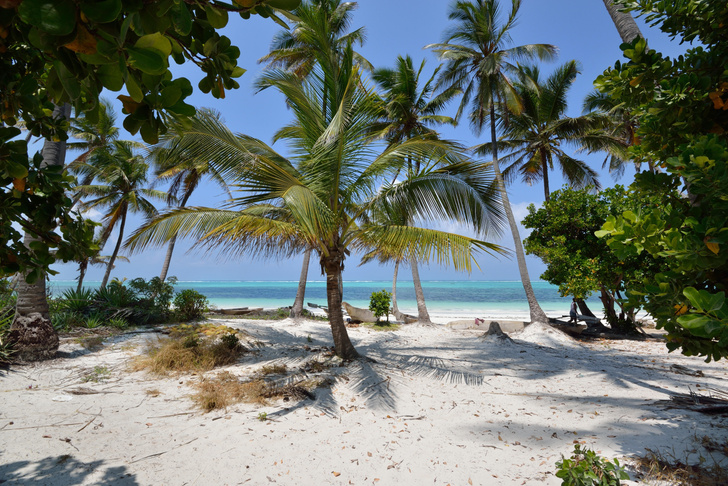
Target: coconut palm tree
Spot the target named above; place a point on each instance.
(31, 332)
(623, 21)
(537, 135)
(410, 111)
(323, 196)
(120, 190)
(318, 37)
(479, 56)
(184, 170)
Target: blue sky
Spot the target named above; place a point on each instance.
(581, 29)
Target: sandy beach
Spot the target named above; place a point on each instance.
(431, 405)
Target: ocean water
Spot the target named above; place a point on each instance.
(445, 299)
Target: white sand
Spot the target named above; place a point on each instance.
(437, 407)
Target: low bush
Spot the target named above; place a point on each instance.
(379, 304)
(586, 468)
(189, 305)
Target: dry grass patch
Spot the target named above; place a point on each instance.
(225, 389)
(190, 353)
(273, 369)
(656, 466)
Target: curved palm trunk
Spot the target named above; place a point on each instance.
(423, 317)
(168, 258)
(82, 267)
(297, 309)
(32, 332)
(342, 344)
(537, 314)
(170, 247)
(623, 21)
(116, 249)
(395, 310)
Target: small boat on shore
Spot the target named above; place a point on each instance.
(239, 311)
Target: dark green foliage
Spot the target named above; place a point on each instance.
(682, 110)
(189, 305)
(380, 303)
(577, 260)
(7, 313)
(138, 302)
(61, 52)
(586, 468)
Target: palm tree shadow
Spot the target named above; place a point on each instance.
(64, 470)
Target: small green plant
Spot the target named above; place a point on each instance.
(379, 304)
(309, 338)
(231, 341)
(262, 416)
(189, 305)
(94, 321)
(65, 320)
(118, 323)
(99, 373)
(586, 468)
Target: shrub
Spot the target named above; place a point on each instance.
(118, 323)
(586, 468)
(379, 303)
(189, 305)
(65, 320)
(77, 301)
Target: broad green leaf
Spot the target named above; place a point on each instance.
(217, 18)
(101, 11)
(156, 42)
(15, 170)
(132, 86)
(629, 216)
(68, 80)
(170, 95)
(181, 18)
(149, 61)
(56, 17)
(693, 322)
(110, 76)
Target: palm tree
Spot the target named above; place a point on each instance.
(319, 37)
(120, 190)
(33, 335)
(478, 60)
(623, 128)
(409, 112)
(623, 21)
(323, 196)
(184, 170)
(537, 135)
(93, 136)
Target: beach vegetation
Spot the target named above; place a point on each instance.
(189, 353)
(410, 109)
(682, 127)
(50, 60)
(119, 188)
(189, 305)
(322, 197)
(382, 326)
(535, 137)
(380, 304)
(586, 468)
(479, 61)
(563, 236)
(297, 50)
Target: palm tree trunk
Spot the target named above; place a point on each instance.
(32, 332)
(537, 314)
(170, 247)
(82, 267)
(297, 309)
(422, 315)
(116, 249)
(545, 168)
(623, 21)
(168, 258)
(395, 310)
(342, 344)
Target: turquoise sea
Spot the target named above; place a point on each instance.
(444, 298)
